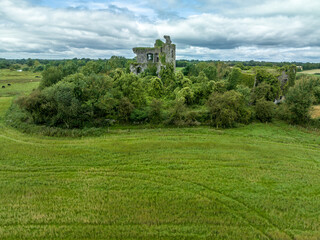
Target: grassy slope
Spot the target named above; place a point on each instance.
(255, 182)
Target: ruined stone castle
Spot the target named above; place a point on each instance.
(159, 55)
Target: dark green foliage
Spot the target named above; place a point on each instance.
(155, 88)
(84, 92)
(30, 62)
(69, 68)
(291, 72)
(72, 102)
(263, 76)
(185, 95)
(237, 77)
(39, 68)
(139, 116)
(167, 76)
(151, 70)
(247, 80)
(219, 86)
(155, 111)
(211, 72)
(125, 109)
(316, 92)
(299, 100)
(227, 109)
(14, 67)
(51, 76)
(264, 110)
(177, 114)
(116, 62)
(263, 91)
(91, 67)
(132, 87)
(241, 66)
(234, 78)
(245, 92)
(190, 70)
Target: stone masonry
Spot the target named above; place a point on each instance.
(159, 55)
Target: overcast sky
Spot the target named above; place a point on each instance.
(265, 30)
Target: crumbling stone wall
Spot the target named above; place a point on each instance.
(159, 55)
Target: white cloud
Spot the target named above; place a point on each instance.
(100, 30)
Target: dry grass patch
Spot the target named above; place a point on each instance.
(315, 112)
(313, 71)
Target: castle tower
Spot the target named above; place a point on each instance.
(159, 55)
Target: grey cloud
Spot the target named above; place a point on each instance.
(29, 30)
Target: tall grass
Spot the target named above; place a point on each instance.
(259, 181)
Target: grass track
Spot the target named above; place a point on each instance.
(256, 182)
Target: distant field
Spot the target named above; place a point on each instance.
(260, 181)
(21, 82)
(313, 71)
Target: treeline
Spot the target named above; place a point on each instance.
(76, 94)
(121, 62)
(248, 64)
(38, 65)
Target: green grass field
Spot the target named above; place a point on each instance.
(260, 181)
(21, 82)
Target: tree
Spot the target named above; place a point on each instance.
(263, 76)
(92, 67)
(155, 87)
(132, 87)
(155, 111)
(167, 75)
(234, 78)
(51, 76)
(299, 101)
(211, 72)
(125, 109)
(185, 95)
(227, 109)
(264, 110)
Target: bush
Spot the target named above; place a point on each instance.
(264, 110)
(139, 116)
(155, 111)
(227, 109)
(316, 92)
(177, 113)
(50, 76)
(125, 109)
(299, 100)
(263, 91)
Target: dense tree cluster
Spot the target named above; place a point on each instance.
(78, 93)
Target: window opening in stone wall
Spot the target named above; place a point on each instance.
(150, 57)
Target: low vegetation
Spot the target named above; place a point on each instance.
(139, 178)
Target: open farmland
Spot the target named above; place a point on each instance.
(260, 181)
(313, 71)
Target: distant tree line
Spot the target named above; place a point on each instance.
(247, 64)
